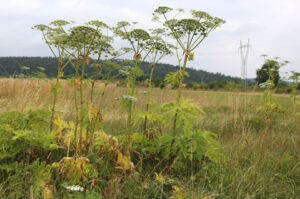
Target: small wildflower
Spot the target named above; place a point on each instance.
(130, 98)
(266, 85)
(75, 188)
(144, 92)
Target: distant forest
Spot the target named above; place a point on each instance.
(30, 66)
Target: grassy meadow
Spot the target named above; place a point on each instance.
(259, 152)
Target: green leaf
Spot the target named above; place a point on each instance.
(173, 77)
(187, 112)
(137, 71)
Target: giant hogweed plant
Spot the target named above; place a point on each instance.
(55, 38)
(81, 41)
(157, 50)
(269, 106)
(78, 45)
(188, 35)
(103, 50)
(95, 111)
(74, 44)
(87, 41)
(138, 40)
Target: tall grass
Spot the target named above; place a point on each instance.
(260, 154)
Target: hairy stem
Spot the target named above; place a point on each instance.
(178, 99)
(76, 106)
(149, 96)
(92, 90)
(81, 107)
(131, 93)
(55, 95)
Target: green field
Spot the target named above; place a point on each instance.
(257, 155)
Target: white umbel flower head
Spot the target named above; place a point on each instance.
(75, 188)
(144, 92)
(130, 98)
(266, 85)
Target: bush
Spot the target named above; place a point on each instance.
(289, 90)
(189, 85)
(157, 81)
(215, 85)
(162, 85)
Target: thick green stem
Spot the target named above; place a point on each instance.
(148, 104)
(149, 96)
(131, 93)
(181, 79)
(179, 93)
(76, 106)
(56, 84)
(176, 114)
(81, 107)
(93, 120)
(131, 105)
(55, 96)
(104, 89)
(92, 90)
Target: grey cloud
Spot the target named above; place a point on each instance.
(272, 25)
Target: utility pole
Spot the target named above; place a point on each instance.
(244, 51)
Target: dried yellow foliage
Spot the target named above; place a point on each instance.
(60, 124)
(48, 192)
(160, 178)
(107, 142)
(94, 113)
(64, 130)
(178, 192)
(88, 60)
(124, 162)
(73, 169)
(60, 73)
(77, 83)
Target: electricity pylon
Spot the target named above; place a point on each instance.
(244, 51)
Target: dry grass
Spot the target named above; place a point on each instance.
(18, 94)
(262, 155)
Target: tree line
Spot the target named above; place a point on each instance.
(33, 66)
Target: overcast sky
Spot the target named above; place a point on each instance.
(273, 27)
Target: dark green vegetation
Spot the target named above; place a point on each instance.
(43, 67)
(270, 70)
(12, 67)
